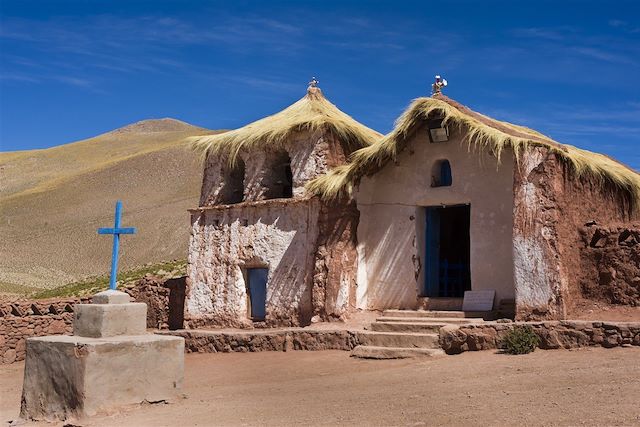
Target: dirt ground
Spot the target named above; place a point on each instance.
(584, 387)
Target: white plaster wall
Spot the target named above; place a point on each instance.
(391, 229)
(276, 236)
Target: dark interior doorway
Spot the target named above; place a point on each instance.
(448, 251)
(256, 279)
(177, 289)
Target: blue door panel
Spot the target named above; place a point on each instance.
(257, 278)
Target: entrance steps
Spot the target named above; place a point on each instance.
(399, 334)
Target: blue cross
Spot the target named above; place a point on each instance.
(116, 231)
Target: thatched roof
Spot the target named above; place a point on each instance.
(311, 112)
(481, 131)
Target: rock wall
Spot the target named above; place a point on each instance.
(277, 340)
(610, 264)
(22, 319)
(552, 334)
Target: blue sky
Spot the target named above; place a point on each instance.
(74, 69)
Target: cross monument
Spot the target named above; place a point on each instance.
(116, 231)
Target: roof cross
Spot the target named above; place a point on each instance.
(116, 231)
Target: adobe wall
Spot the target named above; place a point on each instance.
(278, 234)
(391, 231)
(336, 261)
(553, 212)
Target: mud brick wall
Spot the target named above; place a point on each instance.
(552, 334)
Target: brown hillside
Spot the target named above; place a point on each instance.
(52, 201)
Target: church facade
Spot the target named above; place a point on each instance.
(308, 215)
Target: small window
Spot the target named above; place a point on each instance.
(441, 175)
(438, 132)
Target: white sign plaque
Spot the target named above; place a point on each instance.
(478, 300)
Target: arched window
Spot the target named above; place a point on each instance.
(233, 187)
(441, 174)
(278, 179)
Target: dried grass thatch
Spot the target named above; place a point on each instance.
(311, 113)
(481, 131)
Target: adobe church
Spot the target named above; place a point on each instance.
(308, 215)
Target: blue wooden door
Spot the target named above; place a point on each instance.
(257, 278)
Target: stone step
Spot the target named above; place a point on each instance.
(423, 327)
(455, 320)
(373, 352)
(399, 339)
(423, 313)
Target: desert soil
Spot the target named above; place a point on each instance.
(584, 387)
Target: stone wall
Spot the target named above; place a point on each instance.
(271, 340)
(610, 264)
(552, 334)
(21, 319)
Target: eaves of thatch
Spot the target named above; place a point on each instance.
(312, 112)
(480, 131)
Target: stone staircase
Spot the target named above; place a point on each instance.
(401, 334)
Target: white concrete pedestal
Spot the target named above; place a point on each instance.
(109, 361)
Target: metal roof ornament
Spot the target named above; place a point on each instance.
(438, 85)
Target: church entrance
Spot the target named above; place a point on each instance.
(256, 280)
(447, 252)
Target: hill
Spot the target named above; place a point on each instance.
(53, 200)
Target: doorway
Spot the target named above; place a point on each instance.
(448, 251)
(256, 279)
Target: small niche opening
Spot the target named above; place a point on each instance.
(441, 174)
(278, 180)
(233, 189)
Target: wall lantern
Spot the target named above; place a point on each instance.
(437, 131)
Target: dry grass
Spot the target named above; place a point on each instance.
(311, 113)
(481, 132)
(52, 201)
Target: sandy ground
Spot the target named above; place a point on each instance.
(584, 387)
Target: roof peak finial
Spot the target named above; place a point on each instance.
(438, 85)
(313, 88)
